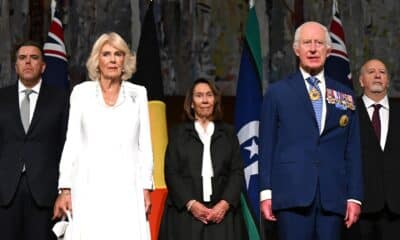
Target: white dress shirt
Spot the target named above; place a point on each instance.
(32, 97)
(383, 115)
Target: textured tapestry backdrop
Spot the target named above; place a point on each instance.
(203, 38)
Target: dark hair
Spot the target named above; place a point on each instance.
(187, 105)
(30, 43)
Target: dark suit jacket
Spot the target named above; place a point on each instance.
(40, 149)
(183, 163)
(295, 158)
(381, 169)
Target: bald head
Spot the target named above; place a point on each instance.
(374, 79)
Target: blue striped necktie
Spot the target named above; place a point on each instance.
(316, 101)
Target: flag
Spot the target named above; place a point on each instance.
(55, 56)
(337, 64)
(247, 115)
(149, 75)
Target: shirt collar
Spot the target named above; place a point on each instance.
(306, 75)
(36, 88)
(368, 102)
(200, 130)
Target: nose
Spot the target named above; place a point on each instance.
(313, 47)
(112, 58)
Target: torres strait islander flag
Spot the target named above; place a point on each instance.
(247, 115)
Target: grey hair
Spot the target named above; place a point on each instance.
(296, 40)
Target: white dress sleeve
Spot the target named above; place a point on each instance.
(145, 146)
(73, 141)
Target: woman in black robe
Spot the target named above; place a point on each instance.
(203, 172)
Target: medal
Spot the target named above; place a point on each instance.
(314, 94)
(344, 120)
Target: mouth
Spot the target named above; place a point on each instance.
(313, 58)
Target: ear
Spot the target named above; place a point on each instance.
(361, 82)
(328, 51)
(43, 67)
(296, 50)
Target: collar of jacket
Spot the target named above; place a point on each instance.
(218, 130)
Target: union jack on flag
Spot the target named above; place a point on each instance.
(55, 56)
(337, 64)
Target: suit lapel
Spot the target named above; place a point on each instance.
(366, 122)
(299, 88)
(40, 106)
(330, 84)
(14, 101)
(391, 126)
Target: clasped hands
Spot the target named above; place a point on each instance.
(209, 215)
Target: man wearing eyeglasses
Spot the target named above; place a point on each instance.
(310, 167)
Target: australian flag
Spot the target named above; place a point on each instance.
(337, 64)
(56, 72)
(247, 116)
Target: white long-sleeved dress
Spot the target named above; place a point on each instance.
(107, 161)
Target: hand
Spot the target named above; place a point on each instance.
(266, 210)
(352, 213)
(147, 201)
(218, 212)
(200, 212)
(63, 204)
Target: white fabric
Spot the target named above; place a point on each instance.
(32, 97)
(207, 171)
(63, 228)
(383, 115)
(107, 162)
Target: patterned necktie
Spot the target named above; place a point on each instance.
(316, 98)
(376, 120)
(25, 109)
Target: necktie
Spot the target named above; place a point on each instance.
(376, 120)
(316, 98)
(25, 109)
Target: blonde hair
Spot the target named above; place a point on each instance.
(118, 42)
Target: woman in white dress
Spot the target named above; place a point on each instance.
(107, 163)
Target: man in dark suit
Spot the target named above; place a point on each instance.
(310, 167)
(32, 133)
(380, 138)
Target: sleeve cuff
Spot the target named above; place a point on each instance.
(354, 201)
(265, 194)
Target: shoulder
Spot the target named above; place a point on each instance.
(134, 87)
(280, 84)
(394, 105)
(85, 85)
(229, 128)
(9, 89)
(83, 89)
(181, 131)
(135, 90)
